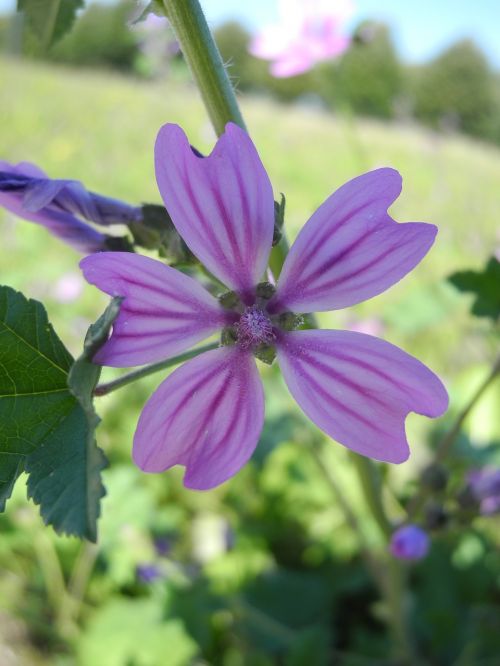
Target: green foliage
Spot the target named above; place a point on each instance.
(485, 285)
(249, 73)
(368, 78)
(112, 636)
(101, 37)
(47, 419)
(457, 90)
(49, 19)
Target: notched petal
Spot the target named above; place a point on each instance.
(207, 416)
(222, 205)
(359, 389)
(164, 312)
(351, 249)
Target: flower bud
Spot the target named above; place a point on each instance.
(289, 321)
(409, 542)
(435, 477)
(436, 517)
(148, 573)
(229, 300)
(59, 205)
(265, 353)
(265, 290)
(229, 336)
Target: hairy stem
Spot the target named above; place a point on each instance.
(104, 389)
(203, 57)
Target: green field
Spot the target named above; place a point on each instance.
(100, 128)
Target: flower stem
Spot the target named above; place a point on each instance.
(203, 57)
(104, 389)
(371, 486)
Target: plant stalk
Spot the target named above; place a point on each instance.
(204, 59)
(109, 387)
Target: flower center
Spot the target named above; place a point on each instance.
(254, 328)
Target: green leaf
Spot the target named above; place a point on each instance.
(49, 19)
(47, 425)
(485, 285)
(134, 631)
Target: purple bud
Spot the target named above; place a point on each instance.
(58, 204)
(485, 482)
(163, 546)
(490, 505)
(148, 573)
(409, 542)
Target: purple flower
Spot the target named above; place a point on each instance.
(163, 546)
(308, 33)
(409, 542)
(485, 486)
(148, 573)
(58, 205)
(208, 414)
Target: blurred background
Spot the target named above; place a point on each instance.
(266, 569)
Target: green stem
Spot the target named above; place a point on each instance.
(104, 389)
(349, 515)
(394, 582)
(203, 57)
(371, 486)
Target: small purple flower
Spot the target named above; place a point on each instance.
(58, 205)
(208, 414)
(485, 486)
(163, 546)
(409, 542)
(308, 33)
(148, 573)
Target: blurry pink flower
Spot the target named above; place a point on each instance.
(68, 288)
(309, 32)
(208, 414)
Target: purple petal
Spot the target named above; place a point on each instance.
(23, 169)
(64, 226)
(164, 312)
(351, 249)
(359, 389)
(206, 416)
(222, 205)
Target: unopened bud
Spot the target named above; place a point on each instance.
(229, 300)
(436, 517)
(229, 336)
(265, 353)
(265, 290)
(289, 321)
(435, 477)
